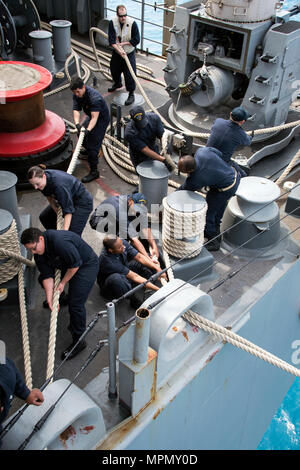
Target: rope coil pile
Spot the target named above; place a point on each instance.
(8, 270)
(183, 232)
(10, 266)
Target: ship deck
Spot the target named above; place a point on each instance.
(32, 202)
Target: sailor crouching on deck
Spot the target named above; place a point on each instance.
(208, 168)
(121, 268)
(141, 134)
(78, 263)
(120, 215)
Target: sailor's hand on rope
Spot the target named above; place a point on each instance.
(122, 52)
(35, 397)
(154, 259)
(78, 127)
(86, 131)
(61, 287)
(163, 276)
(169, 165)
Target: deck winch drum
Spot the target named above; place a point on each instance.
(242, 10)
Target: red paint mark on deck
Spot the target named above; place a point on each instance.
(106, 188)
(87, 429)
(68, 433)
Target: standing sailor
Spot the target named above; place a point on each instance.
(141, 134)
(78, 263)
(209, 169)
(123, 36)
(91, 102)
(228, 135)
(64, 190)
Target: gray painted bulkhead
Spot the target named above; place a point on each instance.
(230, 400)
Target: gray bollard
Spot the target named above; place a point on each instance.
(8, 195)
(153, 176)
(61, 30)
(41, 47)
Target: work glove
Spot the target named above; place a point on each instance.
(86, 131)
(169, 164)
(78, 127)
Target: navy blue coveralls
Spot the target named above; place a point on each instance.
(223, 181)
(93, 101)
(65, 250)
(111, 216)
(227, 136)
(145, 137)
(113, 269)
(117, 63)
(71, 195)
(11, 383)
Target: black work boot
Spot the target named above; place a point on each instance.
(213, 245)
(115, 87)
(93, 175)
(130, 99)
(80, 347)
(214, 240)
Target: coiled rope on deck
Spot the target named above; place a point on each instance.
(8, 269)
(183, 232)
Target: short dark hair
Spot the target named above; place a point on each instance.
(109, 241)
(186, 164)
(31, 235)
(120, 6)
(76, 82)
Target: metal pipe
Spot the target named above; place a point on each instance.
(142, 334)
(155, 6)
(145, 21)
(112, 389)
(142, 24)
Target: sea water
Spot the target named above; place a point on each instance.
(284, 430)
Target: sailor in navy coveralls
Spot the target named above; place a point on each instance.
(141, 134)
(122, 267)
(208, 168)
(123, 36)
(228, 135)
(12, 383)
(78, 263)
(68, 192)
(91, 102)
(126, 216)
